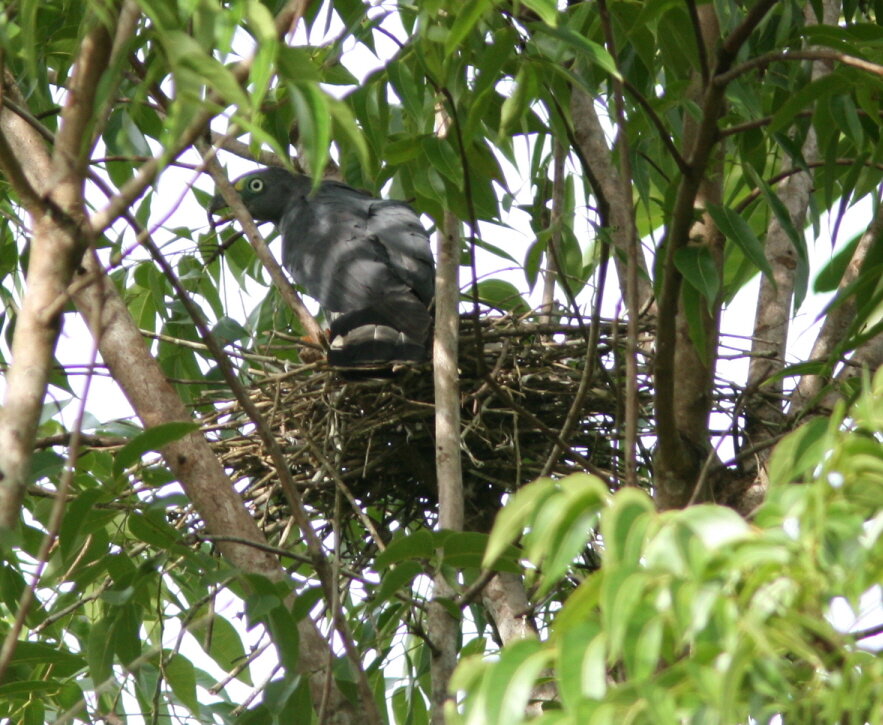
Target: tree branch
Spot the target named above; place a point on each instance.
(443, 628)
(56, 248)
(837, 321)
(814, 54)
(589, 137)
(678, 458)
(773, 314)
(633, 251)
(286, 481)
(191, 459)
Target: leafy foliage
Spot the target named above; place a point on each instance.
(114, 599)
(696, 613)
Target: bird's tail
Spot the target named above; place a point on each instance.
(376, 338)
(375, 345)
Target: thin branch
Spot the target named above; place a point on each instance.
(764, 407)
(58, 244)
(289, 488)
(442, 627)
(633, 250)
(837, 322)
(699, 40)
(815, 54)
(553, 271)
(53, 526)
(734, 41)
(650, 112)
(591, 147)
(588, 372)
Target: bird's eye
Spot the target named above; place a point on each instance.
(256, 185)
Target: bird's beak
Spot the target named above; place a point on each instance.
(218, 207)
(218, 204)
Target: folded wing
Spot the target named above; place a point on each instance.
(369, 263)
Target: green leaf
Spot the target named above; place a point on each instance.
(228, 330)
(419, 545)
(510, 522)
(181, 675)
(736, 229)
(546, 9)
(152, 439)
(126, 633)
(508, 685)
(397, 579)
(623, 526)
(585, 48)
(697, 267)
(466, 18)
(799, 452)
(314, 123)
(502, 295)
(39, 655)
(581, 663)
(830, 275)
(152, 528)
(188, 57)
(345, 127)
(77, 514)
(516, 106)
(622, 592)
(562, 528)
(716, 526)
(816, 91)
(221, 641)
(99, 651)
(779, 209)
(286, 637)
(642, 656)
(297, 65)
(443, 156)
(25, 689)
(462, 549)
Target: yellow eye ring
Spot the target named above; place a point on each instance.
(256, 185)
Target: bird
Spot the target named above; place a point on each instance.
(367, 261)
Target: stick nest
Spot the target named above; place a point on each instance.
(526, 406)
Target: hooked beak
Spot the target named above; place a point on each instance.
(218, 204)
(218, 207)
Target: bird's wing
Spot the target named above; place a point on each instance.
(397, 227)
(349, 250)
(330, 251)
(368, 262)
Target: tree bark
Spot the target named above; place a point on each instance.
(683, 371)
(764, 410)
(684, 366)
(608, 185)
(59, 240)
(835, 327)
(505, 599)
(443, 628)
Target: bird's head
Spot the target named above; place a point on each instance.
(265, 193)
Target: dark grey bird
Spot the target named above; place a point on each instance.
(367, 261)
